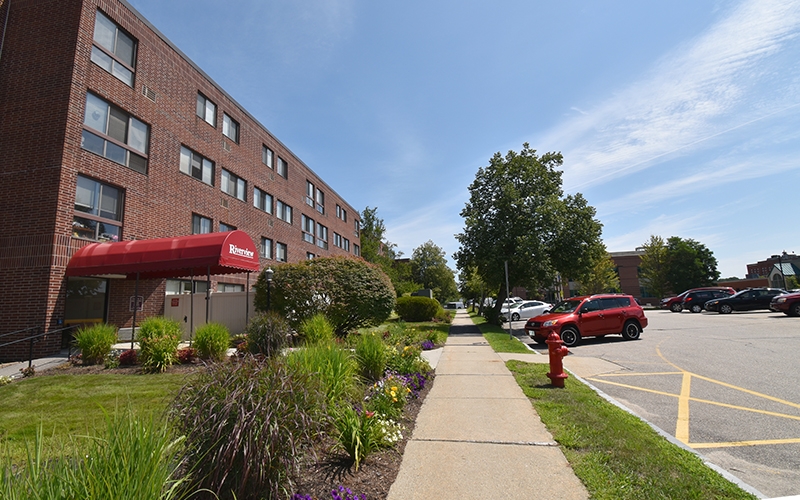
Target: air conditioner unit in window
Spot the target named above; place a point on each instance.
(223, 202)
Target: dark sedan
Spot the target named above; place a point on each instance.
(746, 300)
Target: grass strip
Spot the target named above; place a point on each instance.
(67, 405)
(614, 453)
(497, 337)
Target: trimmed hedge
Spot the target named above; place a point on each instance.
(417, 308)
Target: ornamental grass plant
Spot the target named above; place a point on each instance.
(371, 356)
(211, 341)
(248, 425)
(332, 367)
(158, 342)
(358, 432)
(267, 334)
(317, 330)
(95, 342)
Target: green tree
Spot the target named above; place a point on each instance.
(601, 278)
(472, 287)
(691, 264)
(655, 267)
(429, 268)
(517, 213)
(374, 247)
(350, 292)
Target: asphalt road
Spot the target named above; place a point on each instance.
(727, 386)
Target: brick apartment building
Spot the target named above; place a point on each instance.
(109, 133)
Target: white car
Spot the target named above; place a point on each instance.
(527, 310)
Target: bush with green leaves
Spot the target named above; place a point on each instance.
(371, 356)
(317, 329)
(267, 334)
(417, 308)
(211, 341)
(407, 360)
(95, 342)
(350, 292)
(158, 342)
(248, 425)
(135, 459)
(332, 367)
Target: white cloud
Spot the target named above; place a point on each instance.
(698, 92)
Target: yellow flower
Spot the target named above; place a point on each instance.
(394, 388)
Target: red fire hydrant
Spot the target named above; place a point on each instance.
(557, 353)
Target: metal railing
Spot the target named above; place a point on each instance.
(32, 339)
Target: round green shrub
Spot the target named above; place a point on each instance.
(211, 341)
(158, 342)
(267, 334)
(417, 308)
(95, 342)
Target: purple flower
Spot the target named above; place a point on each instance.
(427, 345)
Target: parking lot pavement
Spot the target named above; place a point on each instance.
(726, 386)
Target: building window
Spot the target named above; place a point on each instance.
(233, 185)
(308, 229)
(266, 248)
(200, 224)
(309, 255)
(283, 168)
(179, 287)
(284, 212)
(356, 226)
(322, 236)
(341, 213)
(309, 194)
(346, 244)
(320, 202)
(226, 227)
(115, 134)
(262, 200)
(337, 240)
(356, 250)
(206, 110)
(113, 49)
(230, 128)
(98, 211)
(267, 156)
(229, 287)
(280, 252)
(197, 166)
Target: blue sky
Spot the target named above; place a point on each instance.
(677, 118)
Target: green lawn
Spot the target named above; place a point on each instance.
(69, 405)
(614, 453)
(498, 338)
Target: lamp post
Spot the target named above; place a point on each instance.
(268, 273)
(780, 264)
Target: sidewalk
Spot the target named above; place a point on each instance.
(477, 435)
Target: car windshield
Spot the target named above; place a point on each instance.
(566, 306)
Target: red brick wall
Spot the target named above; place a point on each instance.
(43, 86)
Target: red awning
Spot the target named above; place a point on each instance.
(224, 253)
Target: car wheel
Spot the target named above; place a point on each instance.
(725, 309)
(676, 308)
(631, 330)
(696, 308)
(515, 317)
(570, 336)
(794, 310)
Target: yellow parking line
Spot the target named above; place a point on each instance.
(662, 393)
(682, 425)
(745, 443)
(632, 374)
(748, 391)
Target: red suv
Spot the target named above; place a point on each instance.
(788, 304)
(589, 316)
(675, 304)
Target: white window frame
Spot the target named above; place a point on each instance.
(283, 168)
(267, 156)
(308, 226)
(101, 128)
(283, 211)
(233, 185)
(230, 128)
(206, 109)
(265, 252)
(196, 165)
(108, 53)
(262, 200)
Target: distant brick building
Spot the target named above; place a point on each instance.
(110, 133)
(628, 266)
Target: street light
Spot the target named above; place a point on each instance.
(268, 273)
(780, 263)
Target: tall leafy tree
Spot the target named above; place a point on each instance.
(602, 277)
(429, 268)
(374, 246)
(472, 287)
(655, 266)
(691, 264)
(517, 213)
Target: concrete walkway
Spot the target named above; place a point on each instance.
(477, 435)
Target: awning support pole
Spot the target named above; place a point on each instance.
(247, 301)
(191, 310)
(135, 307)
(208, 291)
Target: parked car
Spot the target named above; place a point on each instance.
(589, 316)
(746, 300)
(454, 305)
(509, 309)
(695, 301)
(675, 304)
(528, 310)
(788, 304)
